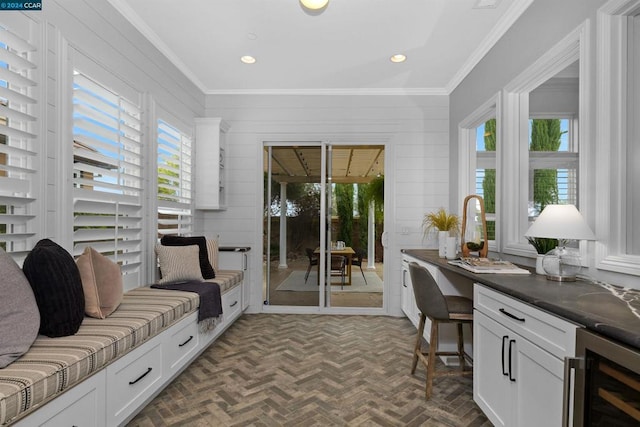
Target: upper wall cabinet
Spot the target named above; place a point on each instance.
(210, 163)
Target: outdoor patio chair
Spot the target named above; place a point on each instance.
(357, 260)
(339, 268)
(313, 260)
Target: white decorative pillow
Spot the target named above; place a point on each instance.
(212, 253)
(19, 315)
(179, 263)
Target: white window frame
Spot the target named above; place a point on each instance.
(21, 183)
(559, 158)
(184, 204)
(467, 159)
(124, 198)
(612, 136)
(515, 161)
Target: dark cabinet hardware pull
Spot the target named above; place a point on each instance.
(504, 372)
(506, 313)
(511, 378)
(234, 304)
(186, 342)
(140, 377)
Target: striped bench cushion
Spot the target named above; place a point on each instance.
(227, 279)
(53, 365)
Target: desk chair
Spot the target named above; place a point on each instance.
(438, 308)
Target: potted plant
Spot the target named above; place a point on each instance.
(447, 224)
(542, 245)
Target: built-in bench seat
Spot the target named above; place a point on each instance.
(227, 279)
(54, 365)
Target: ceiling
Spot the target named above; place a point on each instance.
(343, 50)
(349, 164)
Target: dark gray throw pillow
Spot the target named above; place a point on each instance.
(57, 286)
(19, 316)
(206, 269)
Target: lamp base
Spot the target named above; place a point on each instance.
(557, 278)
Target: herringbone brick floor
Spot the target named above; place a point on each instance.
(311, 370)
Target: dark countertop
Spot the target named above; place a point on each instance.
(234, 248)
(609, 310)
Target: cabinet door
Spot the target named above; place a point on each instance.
(538, 379)
(406, 292)
(238, 260)
(492, 389)
(210, 172)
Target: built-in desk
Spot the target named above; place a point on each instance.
(524, 326)
(609, 310)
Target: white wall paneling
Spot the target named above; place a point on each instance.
(413, 129)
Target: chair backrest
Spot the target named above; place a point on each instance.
(337, 262)
(429, 298)
(359, 256)
(310, 253)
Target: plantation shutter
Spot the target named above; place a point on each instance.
(174, 181)
(107, 176)
(18, 143)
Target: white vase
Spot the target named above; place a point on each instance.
(539, 269)
(442, 243)
(452, 247)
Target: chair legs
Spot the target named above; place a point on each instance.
(365, 279)
(428, 359)
(306, 276)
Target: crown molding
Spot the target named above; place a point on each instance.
(516, 9)
(130, 15)
(335, 91)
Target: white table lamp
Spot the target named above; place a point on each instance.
(562, 222)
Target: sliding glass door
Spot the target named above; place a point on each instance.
(317, 225)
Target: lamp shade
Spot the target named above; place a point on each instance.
(560, 222)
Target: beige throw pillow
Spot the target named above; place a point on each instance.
(212, 253)
(179, 263)
(101, 282)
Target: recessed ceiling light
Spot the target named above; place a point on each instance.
(248, 59)
(398, 58)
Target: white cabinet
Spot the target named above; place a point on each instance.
(232, 305)
(518, 354)
(133, 379)
(237, 258)
(407, 297)
(181, 345)
(82, 405)
(210, 176)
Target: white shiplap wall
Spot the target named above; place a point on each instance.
(64, 31)
(414, 130)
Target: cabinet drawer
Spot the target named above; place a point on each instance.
(232, 304)
(83, 411)
(133, 379)
(81, 405)
(553, 334)
(182, 343)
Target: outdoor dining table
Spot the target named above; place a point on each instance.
(347, 252)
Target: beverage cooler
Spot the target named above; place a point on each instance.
(607, 383)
